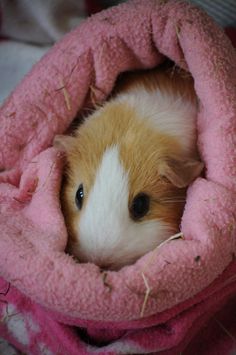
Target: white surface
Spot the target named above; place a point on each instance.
(223, 11)
(16, 59)
(40, 21)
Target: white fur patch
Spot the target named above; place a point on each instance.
(107, 235)
(169, 114)
(99, 227)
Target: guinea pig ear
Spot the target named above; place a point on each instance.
(63, 143)
(180, 172)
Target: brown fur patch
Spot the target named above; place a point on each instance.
(166, 78)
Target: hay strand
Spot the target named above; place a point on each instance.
(147, 293)
(66, 95)
(173, 237)
(148, 288)
(225, 330)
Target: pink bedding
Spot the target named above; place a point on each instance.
(190, 278)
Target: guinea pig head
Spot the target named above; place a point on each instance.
(124, 189)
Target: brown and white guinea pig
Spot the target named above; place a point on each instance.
(128, 167)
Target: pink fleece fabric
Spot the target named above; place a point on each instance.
(189, 279)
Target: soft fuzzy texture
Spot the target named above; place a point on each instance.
(190, 279)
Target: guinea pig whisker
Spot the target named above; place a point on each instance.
(166, 198)
(172, 200)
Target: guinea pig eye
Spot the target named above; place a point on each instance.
(79, 196)
(140, 206)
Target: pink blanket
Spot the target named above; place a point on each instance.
(159, 303)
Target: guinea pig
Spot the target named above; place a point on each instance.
(128, 167)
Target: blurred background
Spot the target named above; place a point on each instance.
(29, 27)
